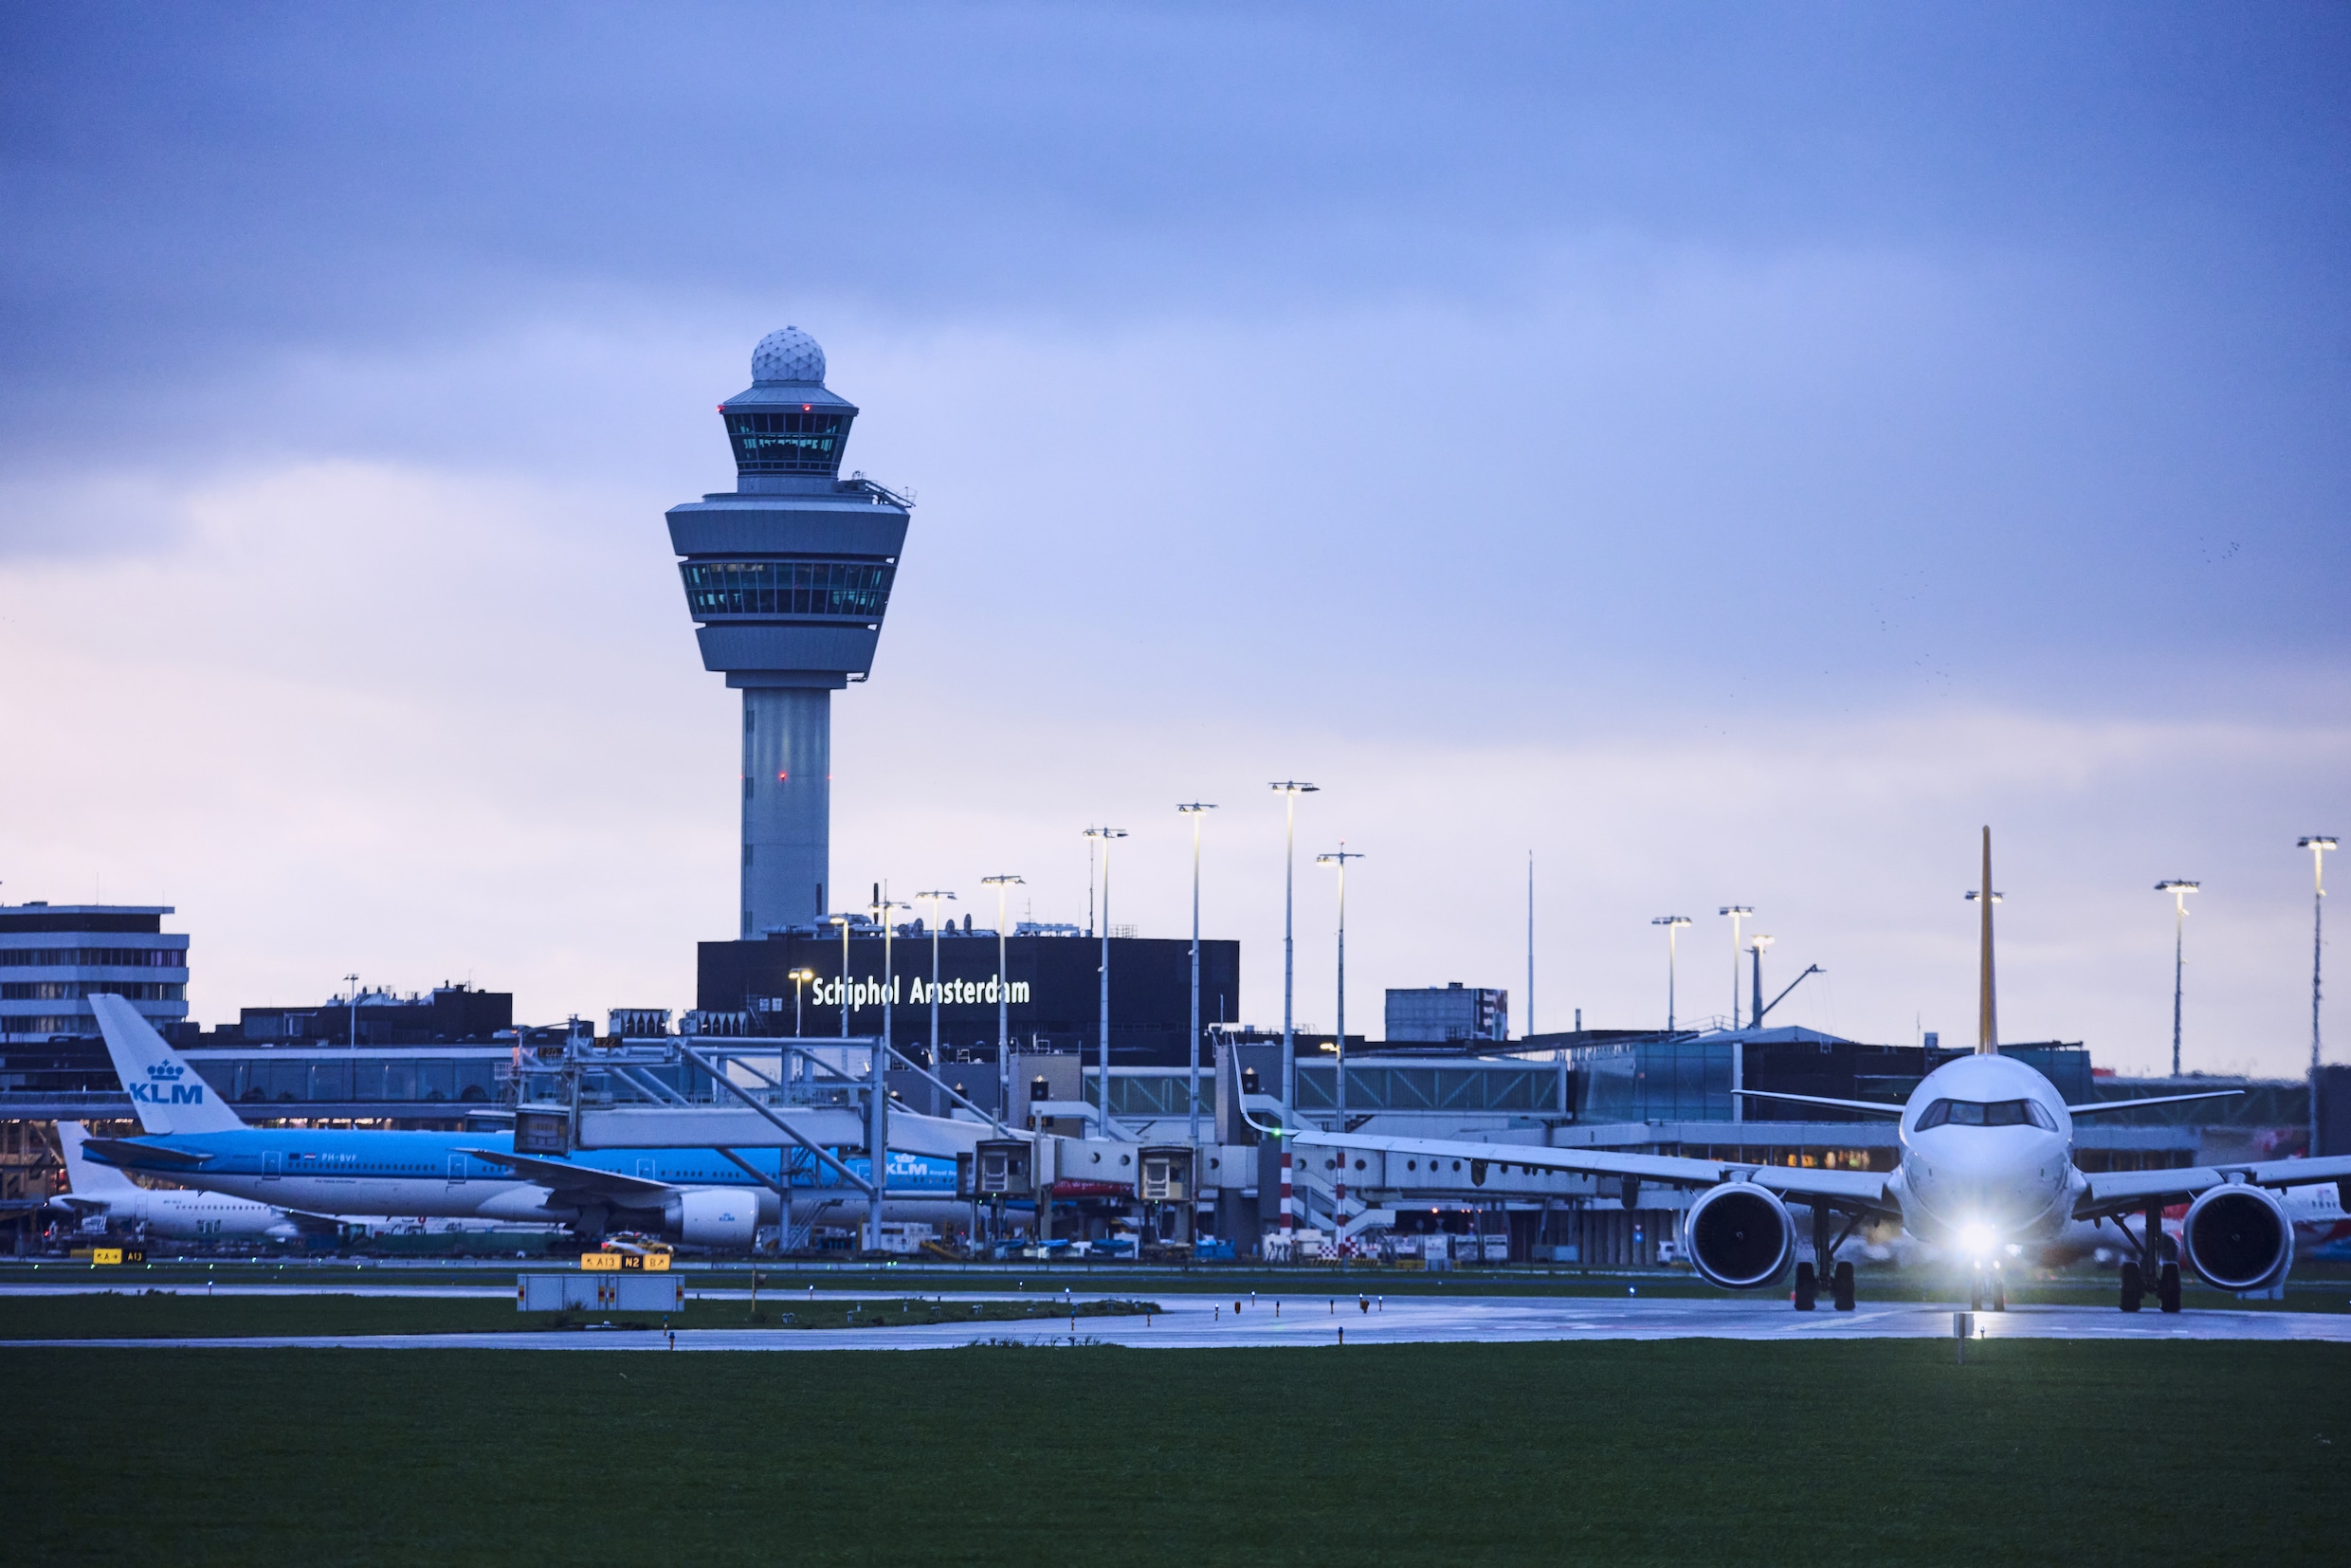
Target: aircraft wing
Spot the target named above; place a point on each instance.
(562, 1176)
(2115, 1192)
(1853, 1189)
(2099, 1107)
(1871, 1107)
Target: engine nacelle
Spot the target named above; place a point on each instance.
(712, 1217)
(1739, 1235)
(2239, 1237)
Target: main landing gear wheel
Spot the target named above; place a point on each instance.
(1806, 1287)
(1841, 1286)
(2167, 1287)
(2134, 1286)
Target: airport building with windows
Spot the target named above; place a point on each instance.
(54, 958)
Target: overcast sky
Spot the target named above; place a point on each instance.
(1731, 454)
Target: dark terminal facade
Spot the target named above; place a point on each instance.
(1054, 983)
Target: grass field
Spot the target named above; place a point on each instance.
(1700, 1451)
(160, 1315)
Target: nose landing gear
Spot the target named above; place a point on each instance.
(1988, 1280)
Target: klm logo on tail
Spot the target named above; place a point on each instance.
(163, 1076)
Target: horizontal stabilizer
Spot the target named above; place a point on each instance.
(131, 1154)
(88, 1179)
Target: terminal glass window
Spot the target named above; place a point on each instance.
(793, 442)
(851, 590)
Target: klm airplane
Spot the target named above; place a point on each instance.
(697, 1196)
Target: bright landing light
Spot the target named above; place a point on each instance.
(1979, 1239)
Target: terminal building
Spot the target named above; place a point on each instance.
(54, 958)
(1051, 985)
(1448, 1015)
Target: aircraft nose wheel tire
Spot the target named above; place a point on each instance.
(1806, 1287)
(2134, 1287)
(2000, 1293)
(1841, 1286)
(2167, 1287)
(1976, 1291)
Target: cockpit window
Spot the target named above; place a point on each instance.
(1980, 1113)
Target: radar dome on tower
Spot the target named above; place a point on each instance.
(790, 355)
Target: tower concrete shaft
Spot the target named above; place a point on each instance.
(787, 805)
(787, 578)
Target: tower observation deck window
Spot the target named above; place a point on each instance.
(790, 442)
(849, 589)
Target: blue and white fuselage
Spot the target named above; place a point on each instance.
(442, 1173)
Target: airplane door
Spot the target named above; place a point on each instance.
(644, 1168)
(457, 1169)
(272, 1165)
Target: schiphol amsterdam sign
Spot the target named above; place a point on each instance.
(908, 990)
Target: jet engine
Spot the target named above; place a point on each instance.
(711, 1216)
(1739, 1235)
(2239, 1237)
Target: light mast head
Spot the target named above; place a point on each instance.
(787, 424)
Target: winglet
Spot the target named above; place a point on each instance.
(1232, 1068)
(169, 1095)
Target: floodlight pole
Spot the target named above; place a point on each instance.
(2318, 844)
(1338, 1098)
(937, 897)
(1756, 946)
(1004, 1004)
(2179, 890)
(1738, 912)
(1289, 790)
(799, 978)
(843, 921)
(1102, 1049)
(1674, 924)
(878, 1116)
(1195, 810)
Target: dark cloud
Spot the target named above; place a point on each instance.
(215, 182)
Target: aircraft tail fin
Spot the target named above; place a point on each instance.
(169, 1095)
(1988, 996)
(88, 1178)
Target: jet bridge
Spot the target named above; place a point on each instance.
(825, 1099)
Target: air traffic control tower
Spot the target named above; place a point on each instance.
(787, 578)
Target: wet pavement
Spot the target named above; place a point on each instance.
(1196, 1322)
